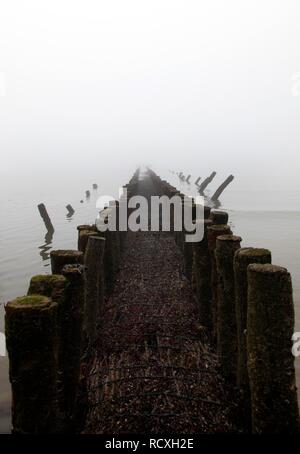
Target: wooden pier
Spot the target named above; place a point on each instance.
(143, 333)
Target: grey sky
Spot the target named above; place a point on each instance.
(182, 84)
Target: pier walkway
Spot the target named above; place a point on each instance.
(153, 369)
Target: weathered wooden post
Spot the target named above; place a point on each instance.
(83, 238)
(226, 247)
(71, 210)
(219, 217)
(242, 259)
(94, 292)
(207, 211)
(270, 325)
(83, 235)
(202, 276)
(222, 187)
(46, 218)
(110, 266)
(71, 339)
(51, 285)
(87, 227)
(206, 182)
(61, 257)
(187, 248)
(31, 340)
(213, 232)
(62, 290)
(54, 286)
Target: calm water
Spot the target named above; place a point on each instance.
(263, 219)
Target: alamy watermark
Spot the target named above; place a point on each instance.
(158, 213)
(296, 344)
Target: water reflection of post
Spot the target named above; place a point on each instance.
(45, 248)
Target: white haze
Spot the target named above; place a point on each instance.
(189, 85)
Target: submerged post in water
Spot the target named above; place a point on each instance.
(45, 216)
(222, 187)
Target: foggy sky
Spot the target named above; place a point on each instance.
(188, 85)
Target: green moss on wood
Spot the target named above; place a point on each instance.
(52, 285)
(31, 340)
(29, 301)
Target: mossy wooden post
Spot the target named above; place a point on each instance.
(270, 326)
(219, 217)
(202, 276)
(54, 286)
(83, 235)
(213, 231)
(226, 247)
(61, 257)
(94, 292)
(83, 238)
(72, 337)
(243, 258)
(50, 285)
(31, 340)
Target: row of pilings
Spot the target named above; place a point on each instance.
(244, 301)
(50, 332)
